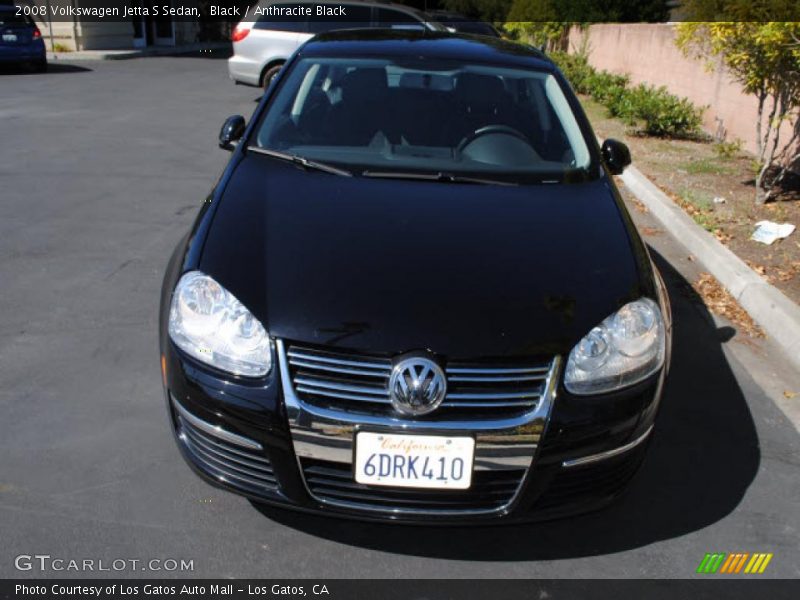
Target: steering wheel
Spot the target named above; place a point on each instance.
(489, 130)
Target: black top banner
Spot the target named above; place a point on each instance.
(355, 11)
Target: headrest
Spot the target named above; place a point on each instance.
(479, 92)
(364, 84)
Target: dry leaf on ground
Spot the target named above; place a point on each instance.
(721, 303)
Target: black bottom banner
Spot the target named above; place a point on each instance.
(424, 589)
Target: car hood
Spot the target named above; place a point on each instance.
(388, 266)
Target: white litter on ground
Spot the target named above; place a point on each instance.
(767, 232)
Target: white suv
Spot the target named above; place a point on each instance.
(263, 42)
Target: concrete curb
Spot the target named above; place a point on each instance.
(773, 311)
(144, 52)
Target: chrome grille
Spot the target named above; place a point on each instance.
(358, 383)
(241, 464)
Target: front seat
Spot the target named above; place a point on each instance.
(361, 111)
(481, 100)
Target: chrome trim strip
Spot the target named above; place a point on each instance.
(222, 453)
(229, 450)
(487, 371)
(337, 361)
(499, 379)
(501, 443)
(343, 395)
(222, 464)
(487, 404)
(342, 387)
(228, 476)
(215, 430)
(593, 458)
(322, 367)
(493, 395)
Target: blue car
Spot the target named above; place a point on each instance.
(20, 40)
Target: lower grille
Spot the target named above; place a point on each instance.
(334, 483)
(592, 482)
(238, 465)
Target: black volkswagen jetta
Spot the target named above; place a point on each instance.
(415, 292)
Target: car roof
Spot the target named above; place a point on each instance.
(431, 44)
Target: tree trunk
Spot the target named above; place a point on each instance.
(761, 193)
(762, 97)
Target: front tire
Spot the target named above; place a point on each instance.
(269, 75)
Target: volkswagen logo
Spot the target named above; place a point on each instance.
(417, 386)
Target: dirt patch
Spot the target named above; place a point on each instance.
(693, 174)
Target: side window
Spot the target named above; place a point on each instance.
(398, 19)
(280, 23)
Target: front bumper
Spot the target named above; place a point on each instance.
(244, 70)
(259, 439)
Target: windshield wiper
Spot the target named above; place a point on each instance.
(302, 161)
(439, 177)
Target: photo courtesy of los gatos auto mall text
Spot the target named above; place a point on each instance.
(409, 299)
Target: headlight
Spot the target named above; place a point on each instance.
(207, 322)
(625, 348)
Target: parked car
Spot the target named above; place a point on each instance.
(461, 24)
(415, 292)
(20, 40)
(264, 41)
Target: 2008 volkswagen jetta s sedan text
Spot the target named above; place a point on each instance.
(415, 293)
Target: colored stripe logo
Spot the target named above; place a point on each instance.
(734, 563)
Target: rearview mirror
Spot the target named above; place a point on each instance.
(616, 156)
(231, 132)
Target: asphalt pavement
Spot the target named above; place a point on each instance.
(103, 166)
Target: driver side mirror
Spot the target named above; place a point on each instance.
(231, 132)
(616, 156)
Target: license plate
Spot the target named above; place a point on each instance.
(416, 461)
(9, 37)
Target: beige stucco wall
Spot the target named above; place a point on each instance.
(108, 35)
(647, 53)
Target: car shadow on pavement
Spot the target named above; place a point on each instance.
(702, 459)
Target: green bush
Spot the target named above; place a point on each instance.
(604, 86)
(728, 150)
(660, 113)
(654, 109)
(576, 69)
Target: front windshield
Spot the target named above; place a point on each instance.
(427, 116)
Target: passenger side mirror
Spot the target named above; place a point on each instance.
(616, 156)
(231, 132)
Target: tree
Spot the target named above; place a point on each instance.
(538, 21)
(547, 22)
(486, 10)
(764, 57)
